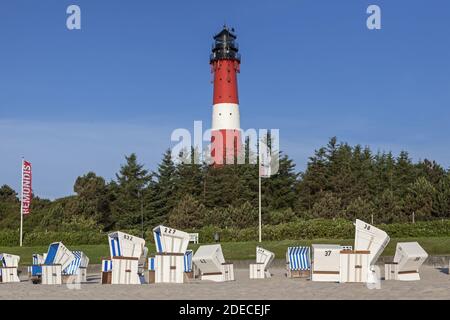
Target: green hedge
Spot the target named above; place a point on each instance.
(302, 229)
(324, 229)
(11, 238)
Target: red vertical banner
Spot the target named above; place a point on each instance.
(26, 187)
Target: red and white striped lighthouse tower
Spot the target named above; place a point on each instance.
(225, 131)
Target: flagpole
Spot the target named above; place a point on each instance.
(259, 200)
(21, 205)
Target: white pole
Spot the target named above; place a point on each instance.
(21, 204)
(259, 200)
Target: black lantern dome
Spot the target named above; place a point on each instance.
(224, 46)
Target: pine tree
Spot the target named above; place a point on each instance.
(129, 192)
(189, 176)
(279, 189)
(189, 213)
(165, 191)
(441, 202)
(419, 199)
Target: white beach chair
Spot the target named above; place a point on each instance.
(76, 272)
(9, 264)
(171, 246)
(372, 239)
(298, 262)
(326, 262)
(210, 261)
(58, 258)
(126, 252)
(409, 257)
(264, 259)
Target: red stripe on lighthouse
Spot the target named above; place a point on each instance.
(225, 81)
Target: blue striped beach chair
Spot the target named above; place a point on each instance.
(58, 259)
(128, 255)
(298, 262)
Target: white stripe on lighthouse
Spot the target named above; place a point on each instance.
(225, 116)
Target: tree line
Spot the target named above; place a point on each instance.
(340, 181)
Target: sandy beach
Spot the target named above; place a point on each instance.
(435, 284)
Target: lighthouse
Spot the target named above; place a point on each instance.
(225, 129)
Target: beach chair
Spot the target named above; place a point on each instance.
(76, 271)
(409, 257)
(371, 241)
(106, 271)
(264, 259)
(9, 265)
(126, 253)
(35, 270)
(171, 246)
(298, 262)
(211, 263)
(326, 262)
(58, 259)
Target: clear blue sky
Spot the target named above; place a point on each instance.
(75, 101)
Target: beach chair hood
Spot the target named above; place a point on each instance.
(409, 256)
(59, 254)
(38, 259)
(209, 258)
(9, 260)
(370, 238)
(264, 256)
(169, 240)
(80, 261)
(125, 245)
(299, 258)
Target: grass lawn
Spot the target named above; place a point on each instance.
(240, 250)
